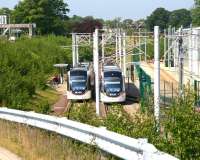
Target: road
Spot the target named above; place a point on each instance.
(7, 155)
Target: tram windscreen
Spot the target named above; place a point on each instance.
(78, 78)
(113, 80)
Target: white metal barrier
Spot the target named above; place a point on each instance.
(119, 145)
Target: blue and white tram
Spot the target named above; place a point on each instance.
(112, 85)
(79, 84)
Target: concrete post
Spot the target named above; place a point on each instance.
(174, 47)
(140, 45)
(190, 57)
(103, 49)
(176, 61)
(169, 45)
(165, 47)
(73, 49)
(77, 50)
(156, 76)
(120, 50)
(30, 30)
(145, 47)
(96, 69)
(124, 53)
(116, 48)
(181, 57)
(195, 53)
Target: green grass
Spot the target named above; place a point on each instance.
(36, 144)
(43, 100)
(50, 95)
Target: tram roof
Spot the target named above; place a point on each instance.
(111, 68)
(79, 69)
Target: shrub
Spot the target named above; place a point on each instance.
(26, 65)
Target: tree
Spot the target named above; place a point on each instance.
(115, 23)
(159, 17)
(197, 3)
(5, 11)
(181, 17)
(196, 13)
(87, 25)
(127, 23)
(49, 15)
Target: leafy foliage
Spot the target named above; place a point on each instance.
(159, 17)
(84, 113)
(179, 125)
(196, 13)
(163, 18)
(87, 25)
(181, 17)
(49, 15)
(26, 66)
(5, 11)
(181, 128)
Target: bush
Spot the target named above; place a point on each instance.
(84, 113)
(180, 125)
(26, 65)
(182, 128)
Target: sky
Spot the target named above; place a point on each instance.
(109, 9)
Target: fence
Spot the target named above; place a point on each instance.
(145, 87)
(168, 92)
(197, 92)
(121, 146)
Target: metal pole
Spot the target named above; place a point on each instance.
(116, 49)
(156, 76)
(172, 90)
(120, 50)
(77, 54)
(174, 48)
(96, 68)
(5, 20)
(124, 53)
(164, 93)
(30, 30)
(195, 52)
(145, 47)
(128, 79)
(73, 49)
(168, 46)
(165, 47)
(181, 56)
(9, 26)
(103, 49)
(190, 57)
(139, 45)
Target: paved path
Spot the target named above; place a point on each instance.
(61, 105)
(7, 155)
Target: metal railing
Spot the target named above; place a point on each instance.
(119, 145)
